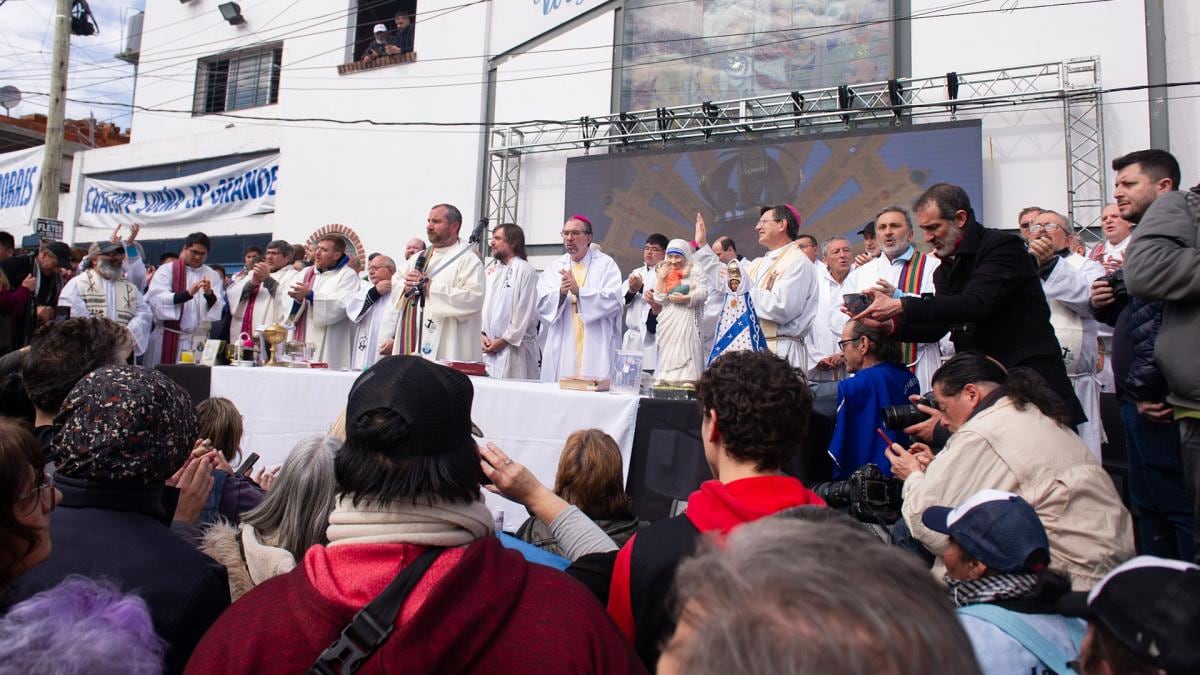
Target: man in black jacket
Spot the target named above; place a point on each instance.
(989, 295)
(35, 283)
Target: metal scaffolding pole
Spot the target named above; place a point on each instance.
(1073, 84)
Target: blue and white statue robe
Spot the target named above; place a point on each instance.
(738, 328)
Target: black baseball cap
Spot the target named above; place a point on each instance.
(1152, 606)
(60, 251)
(107, 246)
(434, 402)
(868, 230)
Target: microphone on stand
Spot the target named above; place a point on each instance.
(477, 233)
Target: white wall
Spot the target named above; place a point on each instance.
(521, 97)
(1183, 38)
(1023, 152)
(378, 180)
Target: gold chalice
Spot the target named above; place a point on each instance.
(274, 334)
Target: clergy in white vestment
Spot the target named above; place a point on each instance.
(186, 297)
(372, 309)
(1067, 280)
(452, 285)
(900, 270)
(641, 325)
(319, 295)
(510, 320)
(1111, 254)
(579, 303)
(782, 284)
(259, 297)
(102, 290)
(825, 361)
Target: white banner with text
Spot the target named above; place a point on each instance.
(19, 181)
(232, 191)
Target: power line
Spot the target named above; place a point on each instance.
(1023, 103)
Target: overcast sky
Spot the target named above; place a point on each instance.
(27, 40)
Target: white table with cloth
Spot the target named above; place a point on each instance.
(530, 421)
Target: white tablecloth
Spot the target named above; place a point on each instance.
(530, 421)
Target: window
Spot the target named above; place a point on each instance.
(755, 48)
(248, 78)
(371, 13)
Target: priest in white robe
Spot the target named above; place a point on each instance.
(1067, 280)
(825, 362)
(899, 270)
(510, 320)
(453, 287)
(102, 290)
(641, 324)
(372, 309)
(186, 297)
(319, 295)
(782, 283)
(579, 303)
(260, 296)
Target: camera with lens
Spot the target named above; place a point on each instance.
(900, 417)
(1116, 281)
(867, 495)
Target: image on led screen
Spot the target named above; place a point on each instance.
(837, 181)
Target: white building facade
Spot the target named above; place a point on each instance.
(506, 61)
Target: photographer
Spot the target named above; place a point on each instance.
(1009, 434)
(878, 380)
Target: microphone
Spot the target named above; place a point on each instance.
(477, 233)
(415, 291)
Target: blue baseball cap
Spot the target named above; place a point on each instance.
(995, 527)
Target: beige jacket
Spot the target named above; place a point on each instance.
(1027, 453)
(260, 562)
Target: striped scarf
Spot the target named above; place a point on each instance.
(910, 282)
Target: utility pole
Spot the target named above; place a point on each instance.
(52, 162)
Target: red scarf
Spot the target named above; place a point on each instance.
(248, 317)
(170, 340)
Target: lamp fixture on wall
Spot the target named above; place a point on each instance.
(232, 12)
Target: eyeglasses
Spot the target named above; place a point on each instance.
(842, 343)
(808, 245)
(766, 221)
(567, 234)
(47, 484)
(1048, 227)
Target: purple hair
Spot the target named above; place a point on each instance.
(81, 625)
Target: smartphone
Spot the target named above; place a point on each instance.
(247, 465)
(61, 313)
(856, 302)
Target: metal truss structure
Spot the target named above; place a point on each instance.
(1073, 85)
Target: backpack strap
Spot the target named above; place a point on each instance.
(1016, 627)
(373, 624)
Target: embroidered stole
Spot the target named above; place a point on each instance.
(770, 329)
(170, 337)
(95, 297)
(302, 323)
(910, 282)
(408, 331)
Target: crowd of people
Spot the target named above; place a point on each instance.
(967, 380)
